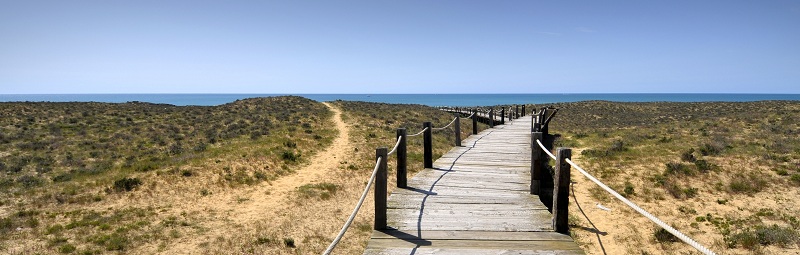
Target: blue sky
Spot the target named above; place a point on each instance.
(110, 46)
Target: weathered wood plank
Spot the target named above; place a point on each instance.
(473, 244)
(475, 200)
(471, 235)
(424, 250)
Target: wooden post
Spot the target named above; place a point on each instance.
(516, 111)
(458, 131)
(402, 159)
(475, 122)
(503, 115)
(542, 115)
(380, 189)
(523, 110)
(491, 118)
(428, 160)
(545, 128)
(561, 191)
(537, 163)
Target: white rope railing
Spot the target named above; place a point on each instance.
(686, 239)
(545, 149)
(447, 126)
(396, 145)
(355, 210)
(420, 132)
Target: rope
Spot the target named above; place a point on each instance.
(399, 138)
(545, 149)
(420, 132)
(355, 210)
(470, 116)
(448, 125)
(660, 223)
(638, 209)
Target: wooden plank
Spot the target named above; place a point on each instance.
(424, 250)
(544, 245)
(471, 235)
(475, 200)
(473, 226)
(461, 206)
(501, 212)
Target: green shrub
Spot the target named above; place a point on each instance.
(322, 190)
(709, 149)
(6, 225)
(776, 235)
(289, 242)
(29, 181)
(629, 189)
(617, 146)
(703, 166)
(592, 153)
(662, 235)
(747, 240)
(54, 229)
(186, 173)
(67, 248)
(749, 184)
(690, 192)
(264, 240)
(795, 179)
(763, 235)
(290, 156)
(674, 168)
(688, 156)
(126, 184)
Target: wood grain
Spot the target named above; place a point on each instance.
(475, 200)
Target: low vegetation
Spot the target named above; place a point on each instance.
(727, 165)
(92, 178)
(319, 208)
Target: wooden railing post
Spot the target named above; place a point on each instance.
(537, 163)
(402, 159)
(516, 112)
(458, 131)
(561, 191)
(475, 122)
(503, 115)
(523, 110)
(380, 189)
(428, 160)
(491, 118)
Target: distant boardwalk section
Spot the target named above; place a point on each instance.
(475, 200)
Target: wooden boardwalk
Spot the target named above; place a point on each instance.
(476, 200)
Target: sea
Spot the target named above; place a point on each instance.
(423, 99)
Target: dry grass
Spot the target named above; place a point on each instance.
(91, 178)
(710, 169)
(312, 223)
(250, 177)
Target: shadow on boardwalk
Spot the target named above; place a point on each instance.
(476, 200)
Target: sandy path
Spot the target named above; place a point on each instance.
(277, 194)
(236, 211)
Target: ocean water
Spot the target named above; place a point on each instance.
(424, 99)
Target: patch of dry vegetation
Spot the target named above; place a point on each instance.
(318, 210)
(374, 125)
(724, 173)
(91, 178)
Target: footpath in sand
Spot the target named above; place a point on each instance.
(238, 211)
